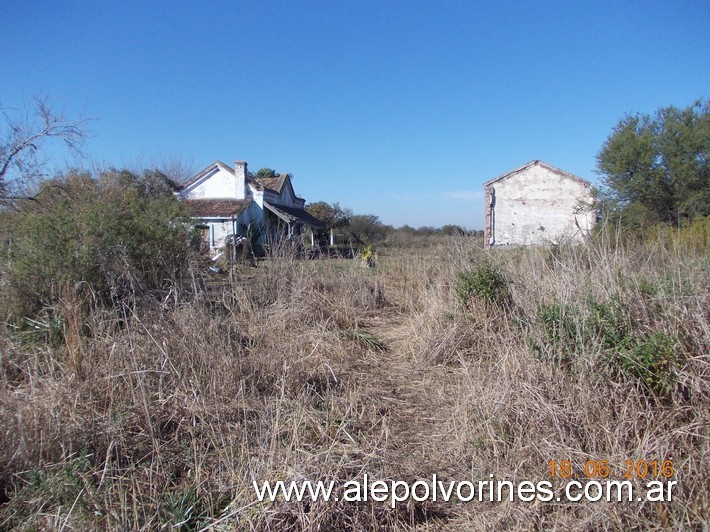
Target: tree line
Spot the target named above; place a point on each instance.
(363, 229)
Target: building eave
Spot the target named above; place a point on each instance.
(542, 164)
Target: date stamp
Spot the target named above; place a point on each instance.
(631, 469)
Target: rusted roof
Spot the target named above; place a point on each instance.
(216, 208)
(538, 163)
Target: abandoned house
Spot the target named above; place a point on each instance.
(537, 204)
(227, 201)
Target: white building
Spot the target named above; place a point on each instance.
(227, 201)
(537, 204)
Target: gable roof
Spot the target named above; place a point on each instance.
(204, 172)
(275, 184)
(541, 164)
(216, 208)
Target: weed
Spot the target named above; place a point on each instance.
(560, 327)
(607, 324)
(368, 256)
(486, 282)
(184, 510)
(59, 488)
(652, 360)
(366, 339)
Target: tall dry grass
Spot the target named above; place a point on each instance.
(324, 370)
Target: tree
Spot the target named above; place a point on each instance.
(365, 229)
(23, 145)
(451, 229)
(333, 216)
(655, 168)
(268, 173)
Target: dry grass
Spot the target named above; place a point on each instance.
(325, 370)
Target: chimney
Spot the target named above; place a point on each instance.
(240, 176)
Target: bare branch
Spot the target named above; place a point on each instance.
(22, 144)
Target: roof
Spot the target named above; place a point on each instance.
(275, 184)
(216, 208)
(271, 183)
(292, 214)
(541, 164)
(203, 172)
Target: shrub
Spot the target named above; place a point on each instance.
(114, 236)
(607, 324)
(51, 485)
(605, 328)
(652, 360)
(486, 282)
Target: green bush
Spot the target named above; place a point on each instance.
(184, 509)
(569, 330)
(607, 324)
(605, 328)
(485, 282)
(652, 360)
(112, 237)
(48, 488)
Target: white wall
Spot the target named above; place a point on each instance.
(285, 198)
(220, 228)
(219, 184)
(537, 206)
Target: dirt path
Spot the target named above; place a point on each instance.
(412, 394)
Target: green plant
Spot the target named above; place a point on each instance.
(368, 256)
(569, 330)
(366, 339)
(652, 360)
(48, 327)
(183, 509)
(59, 487)
(115, 235)
(607, 324)
(485, 281)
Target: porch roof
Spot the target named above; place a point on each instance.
(292, 214)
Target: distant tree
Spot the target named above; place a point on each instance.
(266, 173)
(656, 168)
(427, 230)
(365, 229)
(407, 229)
(23, 143)
(451, 230)
(333, 216)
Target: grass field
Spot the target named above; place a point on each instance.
(443, 359)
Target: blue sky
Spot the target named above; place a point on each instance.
(396, 108)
